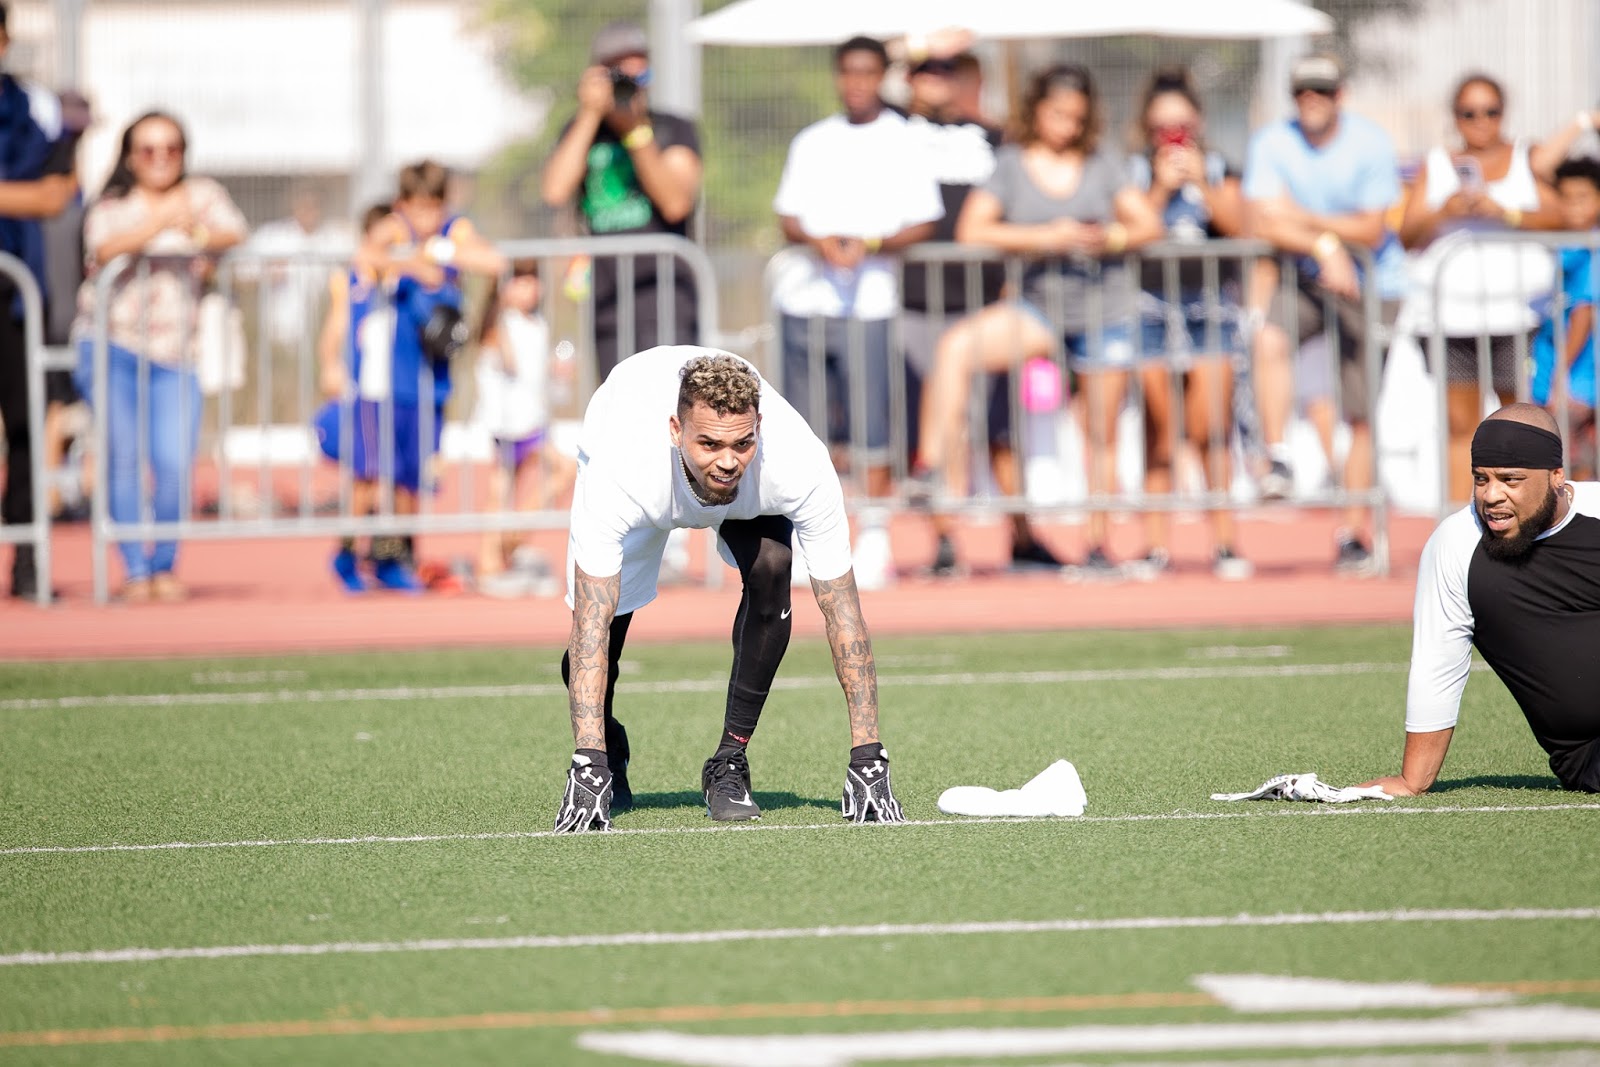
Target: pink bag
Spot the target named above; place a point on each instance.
(1041, 385)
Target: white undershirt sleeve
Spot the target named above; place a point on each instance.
(1442, 623)
(823, 529)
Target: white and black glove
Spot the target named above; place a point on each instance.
(867, 794)
(586, 802)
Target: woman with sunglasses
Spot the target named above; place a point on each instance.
(1485, 185)
(151, 207)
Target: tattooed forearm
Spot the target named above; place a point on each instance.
(594, 606)
(852, 653)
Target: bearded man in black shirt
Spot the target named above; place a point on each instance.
(1516, 574)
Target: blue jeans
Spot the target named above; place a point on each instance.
(170, 433)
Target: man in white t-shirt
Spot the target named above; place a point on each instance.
(1516, 574)
(856, 187)
(682, 437)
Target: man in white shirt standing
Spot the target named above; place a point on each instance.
(856, 188)
(1517, 574)
(682, 437)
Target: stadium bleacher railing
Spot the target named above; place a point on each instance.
(1183, 287)
(260, 473)
(36, 532)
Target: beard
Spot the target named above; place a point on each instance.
(1505, 548)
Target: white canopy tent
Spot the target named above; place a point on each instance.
(784, 23)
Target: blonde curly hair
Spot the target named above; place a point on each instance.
(725, 384)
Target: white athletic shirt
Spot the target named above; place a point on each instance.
(846, 180)
(632, 490)
(1443, 622)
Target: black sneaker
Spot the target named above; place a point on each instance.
(1278, 482)
(24, 574)
(944, 559)
(725, 780)
(617, 754)
(1033, 557)
(1353, 557)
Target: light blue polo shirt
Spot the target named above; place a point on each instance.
(1356, 171)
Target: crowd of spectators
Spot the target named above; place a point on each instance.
(1187, 340)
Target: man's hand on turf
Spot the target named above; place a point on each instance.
(868, 796)
(1394, 785)
(586, 801)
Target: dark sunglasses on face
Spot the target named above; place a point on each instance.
(158, 151)
(1328, 93)
(1467, 114)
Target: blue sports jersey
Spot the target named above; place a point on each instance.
(414, 303)
(1578, 280)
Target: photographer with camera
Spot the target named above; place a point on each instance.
(628, 168)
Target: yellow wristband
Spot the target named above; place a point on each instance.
(1116, 237)
(638, 137)
(200, 235)
(1514, 218)
(1326, 244)
(874, 245)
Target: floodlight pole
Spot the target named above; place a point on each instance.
(674, 59)
(371, 173)
(69, 42)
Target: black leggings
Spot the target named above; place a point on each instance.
(761, 628)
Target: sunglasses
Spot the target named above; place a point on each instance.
(171, 150)
(1303, 90)
(1467, 114)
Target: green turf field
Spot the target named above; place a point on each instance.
(285, 934)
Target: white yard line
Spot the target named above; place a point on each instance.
(694, 685)
(808, 933)
(1302, 811)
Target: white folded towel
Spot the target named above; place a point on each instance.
(1057, 790)
(1307, 787)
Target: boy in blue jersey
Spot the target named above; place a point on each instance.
(1566, 378)
(411, 259)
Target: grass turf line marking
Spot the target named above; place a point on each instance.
(527, 835)
(809, 933)
(696, 685)
(685, 1013)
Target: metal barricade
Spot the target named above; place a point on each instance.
(266, 470)
(1497, 330)
(37, 532)
(1169, 308)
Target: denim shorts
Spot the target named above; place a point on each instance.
(1109, 348)
(1193, 338)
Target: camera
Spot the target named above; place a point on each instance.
(624, 87)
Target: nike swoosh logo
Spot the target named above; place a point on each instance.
(785, 614)
(746, 802)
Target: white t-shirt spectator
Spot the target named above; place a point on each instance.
(632, 490)
(846, 180)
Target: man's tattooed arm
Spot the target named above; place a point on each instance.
(852, 653)
(594, 606)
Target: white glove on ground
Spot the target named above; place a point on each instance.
(1307, 787)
